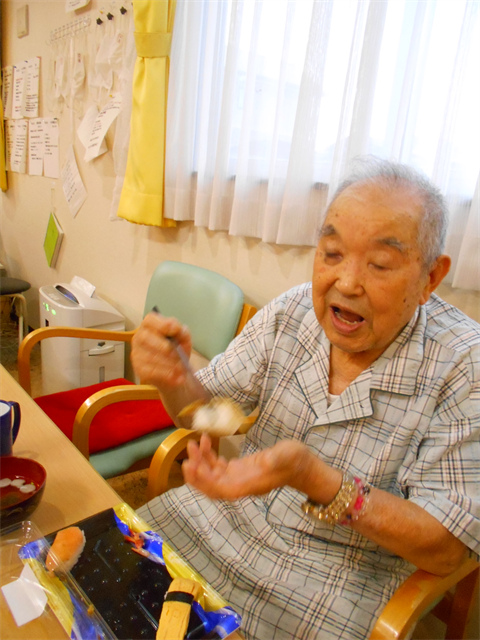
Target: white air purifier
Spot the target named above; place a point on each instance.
(69, 363)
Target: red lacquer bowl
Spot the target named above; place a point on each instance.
(20, 497)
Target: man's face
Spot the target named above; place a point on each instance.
(368, 277)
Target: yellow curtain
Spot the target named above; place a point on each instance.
(141, 200)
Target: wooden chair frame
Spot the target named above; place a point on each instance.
(170, 450)
(415, 597)
(105, 397)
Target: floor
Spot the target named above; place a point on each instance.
(132, 487)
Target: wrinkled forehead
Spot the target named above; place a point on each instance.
(377, 199)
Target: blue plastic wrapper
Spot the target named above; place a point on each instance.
(217, 624)
(220, 623)
(68, 602)
(107, 555)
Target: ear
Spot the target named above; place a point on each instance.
(436, 275)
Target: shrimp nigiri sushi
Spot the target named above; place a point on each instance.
(67, 547)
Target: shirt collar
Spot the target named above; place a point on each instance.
(395, 371)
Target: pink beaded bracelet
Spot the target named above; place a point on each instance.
(361, 501)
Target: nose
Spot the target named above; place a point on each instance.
(349, 280)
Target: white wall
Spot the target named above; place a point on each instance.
(119, 257)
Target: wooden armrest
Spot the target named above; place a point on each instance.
(247, 314)
(32, 338)
(165, 456)
(412, 598)
(100, 400)
(163, 459)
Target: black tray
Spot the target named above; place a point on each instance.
(127, 589)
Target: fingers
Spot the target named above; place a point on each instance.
(200, 454)
(154, 357)
(204, 469)
(193, 452)
(206, 450)
(286, 463)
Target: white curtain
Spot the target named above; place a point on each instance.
(270, 100)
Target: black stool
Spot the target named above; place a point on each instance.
(13, 288)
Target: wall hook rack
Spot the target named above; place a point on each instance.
(70, 29)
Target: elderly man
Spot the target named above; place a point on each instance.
(363, 463)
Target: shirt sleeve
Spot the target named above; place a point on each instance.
(238, 372)
(445, 479)
(248, 370)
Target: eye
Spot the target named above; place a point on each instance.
(332, 256)
(379, 267)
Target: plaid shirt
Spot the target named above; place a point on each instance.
(409, 424)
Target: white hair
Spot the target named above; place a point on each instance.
(433, 225)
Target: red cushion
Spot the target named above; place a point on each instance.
(112, 426)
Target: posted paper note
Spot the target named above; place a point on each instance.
(19, 73)
(9, 142)
(36, 147)
(72, 5)
(84, 130)
(101, 125)
(7, 78)
(18, 160)
(73, 187)
(50, 157)
(30, 109)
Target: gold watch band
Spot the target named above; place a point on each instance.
(337, 508)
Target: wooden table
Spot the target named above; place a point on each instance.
(74, 490)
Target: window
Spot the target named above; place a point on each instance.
(270, 100)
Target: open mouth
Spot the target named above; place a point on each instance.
(348, 317)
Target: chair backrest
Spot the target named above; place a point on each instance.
(208, 303)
